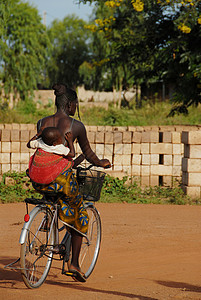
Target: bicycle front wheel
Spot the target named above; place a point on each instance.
(36, 255)
(91, 245)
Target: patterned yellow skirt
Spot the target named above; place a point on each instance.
(72, 207)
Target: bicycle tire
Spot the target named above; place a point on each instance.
(35, 260)
(90, 248)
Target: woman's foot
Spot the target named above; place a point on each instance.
(78, 275)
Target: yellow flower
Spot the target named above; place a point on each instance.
(199, 20)
(138, 5)
(184, 28)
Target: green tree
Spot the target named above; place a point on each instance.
(69, 50)
(23, 48)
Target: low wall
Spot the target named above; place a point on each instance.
(155, 155)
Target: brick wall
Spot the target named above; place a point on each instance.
(153, 154)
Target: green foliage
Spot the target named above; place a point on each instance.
(122, 190)
(69, 42)
(17, 188)
(23, 48)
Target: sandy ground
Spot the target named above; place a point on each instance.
(147, 252)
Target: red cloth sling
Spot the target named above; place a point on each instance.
(44, 167)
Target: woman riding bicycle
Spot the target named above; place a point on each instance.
(62, 177)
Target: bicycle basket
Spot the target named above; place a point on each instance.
(90, 182)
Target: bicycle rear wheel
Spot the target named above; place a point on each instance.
(91, 246)
(36, 255)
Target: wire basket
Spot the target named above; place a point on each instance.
(90, 182)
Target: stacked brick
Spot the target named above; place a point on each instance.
(14, 154)
(153, 155)
(191, 163)
(156, 157)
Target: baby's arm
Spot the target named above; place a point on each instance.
(69, 138)
(34, 137)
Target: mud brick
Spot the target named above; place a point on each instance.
(154, 137)
(127, 149)
(145, 170)
(126, 159)
(5, 168)
(23, 167)
(118, 160)
(136, 159)
(177, 160)
(160, 148)
(24, 158)
(176, 171)
(135, 170)
(161, 170)
(8, 126)
(176, 148)
(101, 128)
(6, 147)
(117, 168)
(132, 128)
(191, 137)
(154, 180)
(23, 127)
(92, 128)
(154, 128)
(109, 137)
(144, 148)
(118, 137)
(191, 165)
(108, 128)
(24, 136)
(91, 136)
(99, 149)
(15, 158)
(135, 148)
(191, 179)
(15, 167)
(139, 128)
(15, 135)
(4, 158)
(120, 128)
(15, 147)
(167, 160)
(32, 133)
(118, 148)
(167, 137)
(146, 159)
(137, 137)
(31, 126)
(191, 191)
(167, 181)
(108, 149)
(15, 126)
(127, 137)
(176, 137)
(154, 159)
(5, 135)
(145, 181)
(23, 147)
(145, 137)
(192, 151)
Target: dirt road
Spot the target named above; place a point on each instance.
(147, 252)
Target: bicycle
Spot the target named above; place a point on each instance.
(41, 234)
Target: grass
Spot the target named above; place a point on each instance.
(149, 115)
(15, 187)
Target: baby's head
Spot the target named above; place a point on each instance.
(51, 136)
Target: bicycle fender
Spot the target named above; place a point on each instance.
(26, 225)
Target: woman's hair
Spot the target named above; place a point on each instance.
(64, 95)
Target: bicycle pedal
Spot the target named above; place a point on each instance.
(67, 273)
